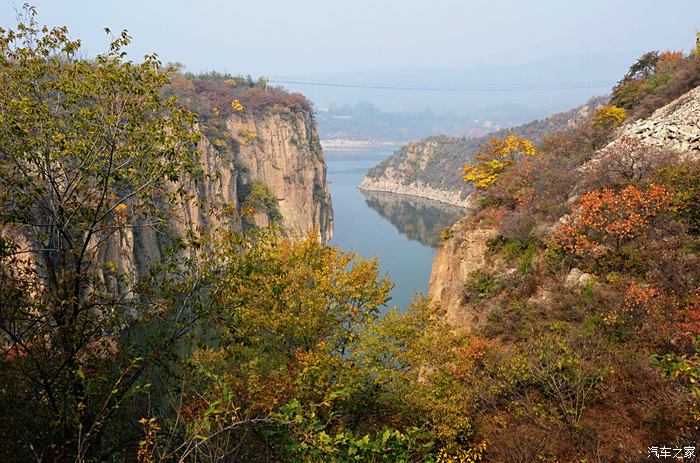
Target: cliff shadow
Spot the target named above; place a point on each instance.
(419, 219)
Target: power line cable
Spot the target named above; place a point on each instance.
(316, 83)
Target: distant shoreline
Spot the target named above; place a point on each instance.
(339, 144)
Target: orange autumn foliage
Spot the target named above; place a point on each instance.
(668, 60)
(606, 218)
(640, 299)
(690, 317)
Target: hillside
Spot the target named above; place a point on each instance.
(431, 167)
(585, 293)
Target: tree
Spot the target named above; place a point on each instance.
(494, 157)
(89, 149)
(668, 60)
(288, 314)
(608, 117)
(626, 160)
(606, 217)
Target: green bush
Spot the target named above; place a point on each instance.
(480, 284)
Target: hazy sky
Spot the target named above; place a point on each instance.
(405, 42)
(301, 37)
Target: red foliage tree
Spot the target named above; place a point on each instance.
(606, 218)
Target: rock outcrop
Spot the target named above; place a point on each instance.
(408, 171)
(282, 151)
(278, 150)
(391, 184)
(458, 256)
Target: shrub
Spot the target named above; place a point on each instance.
(493, 158)
(481, 284)
(607, 218)
(683, 181)
(608, 117)
(626, 161)
(655, 80)
(446, 234)
(214, 95)
(513, 321)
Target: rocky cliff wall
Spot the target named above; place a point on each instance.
(279, 150)
(390, 184)
(458, 256)
(282, 151)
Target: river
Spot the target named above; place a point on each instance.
(402, 231)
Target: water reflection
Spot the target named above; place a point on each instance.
(417, 218)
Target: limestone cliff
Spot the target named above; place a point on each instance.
(409, 170)
(276, 152)
(282, 152)
(460, 254)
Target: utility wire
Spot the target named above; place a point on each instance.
(439, 89)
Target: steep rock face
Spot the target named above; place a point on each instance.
(390, 184)
(432, 168)
(282, 152)
(279, 150)
(458, 256)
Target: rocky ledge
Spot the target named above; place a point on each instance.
(418, 189)
(675, 126)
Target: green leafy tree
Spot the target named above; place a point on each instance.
(288, 314)
(89, 150)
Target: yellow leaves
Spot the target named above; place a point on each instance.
(471, 455)
(608, 117)
(248, 136)
(121, 211)
(237, 106)
(146, 449)
(494, 157)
